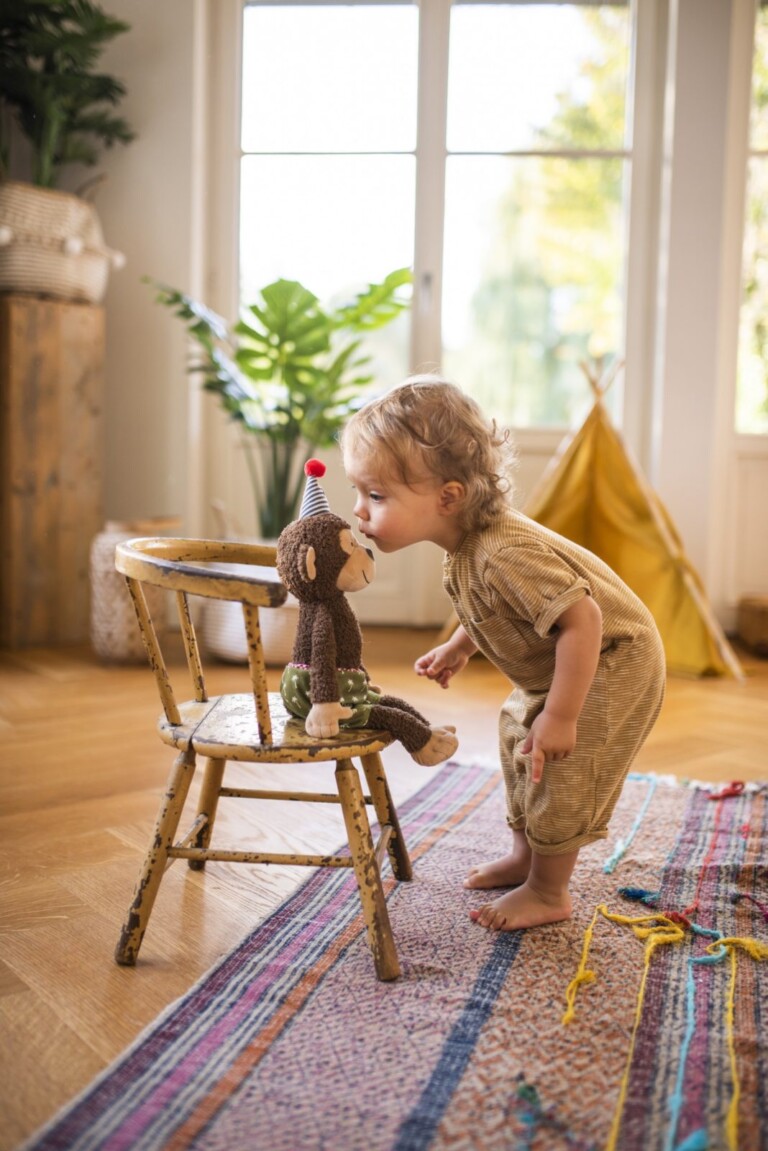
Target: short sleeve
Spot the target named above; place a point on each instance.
(534, 583)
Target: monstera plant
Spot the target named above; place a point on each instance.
(290, 372)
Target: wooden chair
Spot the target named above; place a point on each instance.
(254, 728)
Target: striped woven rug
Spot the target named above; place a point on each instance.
(641, 1023)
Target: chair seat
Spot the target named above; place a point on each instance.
(225, 727)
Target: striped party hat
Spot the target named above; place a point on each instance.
(314, 500)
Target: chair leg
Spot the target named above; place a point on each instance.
(156, 858)
(366, 871)
(207, 805)
(386, 813)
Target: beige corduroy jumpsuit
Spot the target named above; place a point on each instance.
(509, 584)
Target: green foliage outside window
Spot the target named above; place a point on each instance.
(551, 294)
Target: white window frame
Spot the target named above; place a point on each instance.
(643, 127)
(657, 398)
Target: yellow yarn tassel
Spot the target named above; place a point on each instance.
(664, 931)
(656, 930)
(753, 947)
(758, 951)
(582, 974)
(661, 929)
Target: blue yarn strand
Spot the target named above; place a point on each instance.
(697, 1141)
(641, 895)
(677, 1098)
(610, 864)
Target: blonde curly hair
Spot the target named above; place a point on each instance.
(428, 427)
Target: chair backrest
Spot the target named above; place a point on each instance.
(188, 567)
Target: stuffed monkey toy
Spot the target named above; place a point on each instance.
(319, 560)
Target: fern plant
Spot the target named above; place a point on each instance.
(48, 53)
(290, 373)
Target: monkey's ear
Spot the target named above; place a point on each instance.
(310, 565)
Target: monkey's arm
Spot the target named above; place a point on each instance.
(323, 719)
(323, 687)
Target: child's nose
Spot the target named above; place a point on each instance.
(359, 510)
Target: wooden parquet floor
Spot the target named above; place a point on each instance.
(82, 771)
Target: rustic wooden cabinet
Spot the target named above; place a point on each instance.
(51, 466)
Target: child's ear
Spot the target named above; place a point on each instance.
(451, 497)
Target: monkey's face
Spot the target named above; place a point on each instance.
(318, 557)
(360, 566)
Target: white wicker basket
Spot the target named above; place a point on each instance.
(115, 635)
(222, 627)
(51, 244)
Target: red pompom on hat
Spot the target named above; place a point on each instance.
(314, 501)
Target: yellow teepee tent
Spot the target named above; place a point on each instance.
(592, 493)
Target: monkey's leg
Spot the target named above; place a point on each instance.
(412, 730)
(401, 705)
(427, 745)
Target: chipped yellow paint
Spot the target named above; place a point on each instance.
(190, 646)
(367, 871)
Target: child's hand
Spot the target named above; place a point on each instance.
(441, 664)
(551, 737)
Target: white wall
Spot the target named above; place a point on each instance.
(706, 474)
(146, 212)
(688, 445)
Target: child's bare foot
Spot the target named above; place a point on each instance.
(508, 871)
(523, 907)
(441, 745)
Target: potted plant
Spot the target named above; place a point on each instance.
(289, 373)
(51, 241)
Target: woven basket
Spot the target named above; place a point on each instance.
(115, 635)
(51, 244)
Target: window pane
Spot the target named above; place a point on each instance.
(335, 223)
(329, 221)
(325, 78)
(534, 247)
(533, 281)
(752, 389)
(759, 126)
(752, 381)
(513, 69)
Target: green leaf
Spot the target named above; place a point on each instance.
(292, 314)
(289, 372)
(377, 305)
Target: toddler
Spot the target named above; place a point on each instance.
(581, 650)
